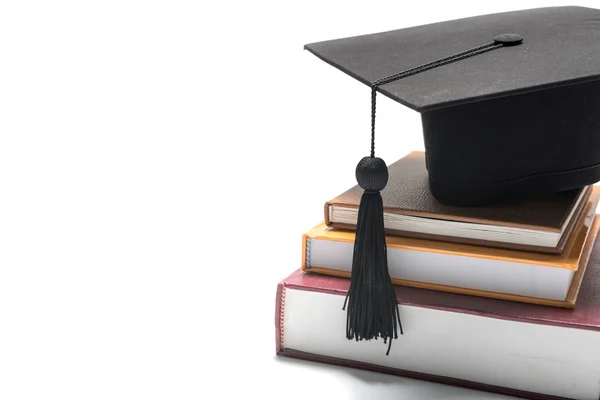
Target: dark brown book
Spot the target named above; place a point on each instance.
(539, 223)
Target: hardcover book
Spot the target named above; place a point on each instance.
(539, 223)
(531, 277)
(518, 349)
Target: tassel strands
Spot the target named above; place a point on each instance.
(372, 308)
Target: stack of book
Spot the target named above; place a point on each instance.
(501, 298)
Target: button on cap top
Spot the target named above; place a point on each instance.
(508, 39)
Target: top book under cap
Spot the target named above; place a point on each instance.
(515, 120)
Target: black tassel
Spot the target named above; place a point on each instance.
(371, 300)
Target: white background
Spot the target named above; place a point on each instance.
(159, 161)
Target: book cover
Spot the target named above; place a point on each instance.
(525, 350)
(530, 277)
(411, 210)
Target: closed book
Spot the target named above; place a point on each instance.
(530, 277)
(525, 350)
(541, 222)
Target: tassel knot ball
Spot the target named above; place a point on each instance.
(372, 174)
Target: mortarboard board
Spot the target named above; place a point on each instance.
(499, 124)
(510, 105)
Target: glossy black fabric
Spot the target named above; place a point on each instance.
(500, 124)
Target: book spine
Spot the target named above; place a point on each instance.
(305, 252)
(327, 216)
(279, 317)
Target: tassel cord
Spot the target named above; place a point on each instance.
(413, 71)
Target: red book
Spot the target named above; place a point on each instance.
(519, 349)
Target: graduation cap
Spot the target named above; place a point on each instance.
(510, 105)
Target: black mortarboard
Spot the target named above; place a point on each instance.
(501, 123)
(510, 105)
